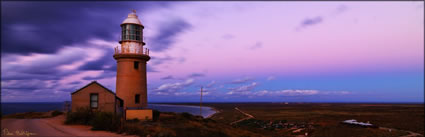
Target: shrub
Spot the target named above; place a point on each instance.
(80, 116)
(187, 115)
(27, 115)
(98, 120)
(134, 120)
(56, 113)
(208, 120)
(105, 121)
(155, 115)
(147, 130)
(130, 128)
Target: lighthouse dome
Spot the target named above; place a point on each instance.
(132, 19)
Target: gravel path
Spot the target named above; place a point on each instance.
(411, 134)
(249, 116)
(49, 127)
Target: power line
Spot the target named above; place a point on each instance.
(200, 105)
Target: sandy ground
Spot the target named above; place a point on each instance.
(49, 127)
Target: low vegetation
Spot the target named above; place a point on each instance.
(271, 119)
(321, 119)
(162, 125)
(27, 115)
(56, 113)
(326, 118)
(273, 125)
(33, 115)
(105, 121)
(183, 125)
(98, 120)
(80, 116)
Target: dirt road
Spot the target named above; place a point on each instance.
(48, 127)
(411, 134)
(248, 116)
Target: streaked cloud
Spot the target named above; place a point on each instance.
(256, 45)
(167, 33)
(296, 92)
(194, 75)
(160, 60)
(244, 89)
(28, 31)
(173, 87)
(271, 78)
(76, 47)
(340, 9)
(212, 83)
(242, 80)
(167, 77)
(310, 22)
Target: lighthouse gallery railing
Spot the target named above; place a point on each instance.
(131, 50)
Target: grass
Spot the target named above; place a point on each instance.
(56, 113)
(80, 116)
(327, 117)
(345, 131)
(162, 125)
(187, 125)
(98, 120)
(33, 115)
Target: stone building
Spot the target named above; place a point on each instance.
(96, 97)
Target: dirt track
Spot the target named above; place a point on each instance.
(48, 127)
(249, 116)
(411, 134)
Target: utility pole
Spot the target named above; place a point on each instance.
(200, 105)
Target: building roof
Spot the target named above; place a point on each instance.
(93, 82)
(132, 19)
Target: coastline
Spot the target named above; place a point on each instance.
(216, 111)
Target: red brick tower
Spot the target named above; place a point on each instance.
(131, 64)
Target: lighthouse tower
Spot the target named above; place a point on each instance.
(131, 59)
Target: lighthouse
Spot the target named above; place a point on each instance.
(131, 56)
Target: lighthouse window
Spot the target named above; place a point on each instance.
(131, 32)
(136, 64)
(137, 98)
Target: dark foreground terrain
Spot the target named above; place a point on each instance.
(240, 120)
(322, 119)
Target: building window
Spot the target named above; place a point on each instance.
(136, 64)
(94, 100)
(137, 98)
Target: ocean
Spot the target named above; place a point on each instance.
(11, 108)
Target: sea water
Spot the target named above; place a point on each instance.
(194, 110)
(11, 108)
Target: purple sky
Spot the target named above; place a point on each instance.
(238, 51)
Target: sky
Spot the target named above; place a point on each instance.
(323, 51)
